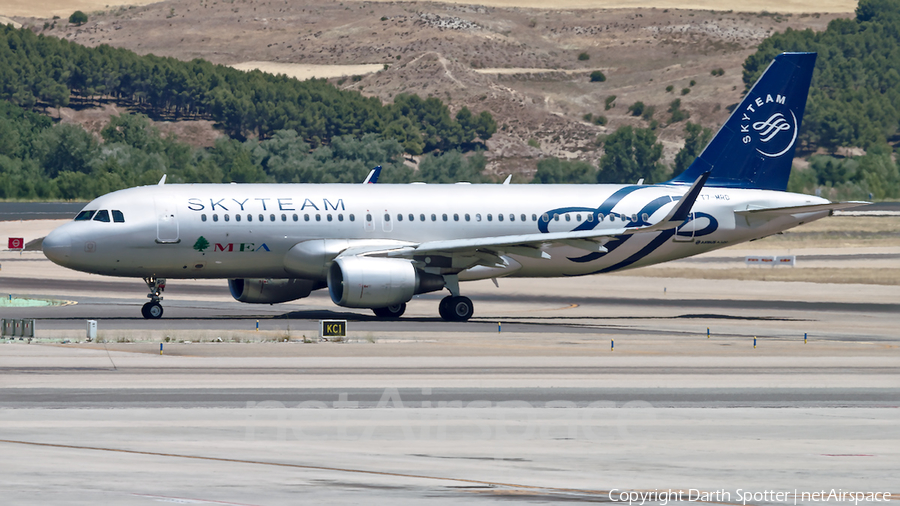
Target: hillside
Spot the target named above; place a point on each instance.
(520, 64)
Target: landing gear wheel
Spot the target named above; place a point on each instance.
(395, 311)
(444, 308)
(456, 309)
(152, 311)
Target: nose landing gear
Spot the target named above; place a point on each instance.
(153, 310)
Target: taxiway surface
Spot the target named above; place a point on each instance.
(591, 388)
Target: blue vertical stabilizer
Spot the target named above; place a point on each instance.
(755, 147)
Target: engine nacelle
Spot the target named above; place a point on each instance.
(377, 282)
(271, 291)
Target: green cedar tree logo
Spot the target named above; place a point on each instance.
(201, 244)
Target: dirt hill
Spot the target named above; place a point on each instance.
(523, 65)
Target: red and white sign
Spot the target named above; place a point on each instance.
(16, 243)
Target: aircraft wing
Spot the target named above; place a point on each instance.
(530, 244)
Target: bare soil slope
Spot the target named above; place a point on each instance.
(540, 90)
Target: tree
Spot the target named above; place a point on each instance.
(696, 138)
(631, 154)
(452, 167)
(636, 109)
(597, 76)
(78, 18)
(555, 171)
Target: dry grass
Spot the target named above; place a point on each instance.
(63, 8)
(807, 6)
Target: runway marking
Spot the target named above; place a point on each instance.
(185, 500)
(570, 306)
(511, 486)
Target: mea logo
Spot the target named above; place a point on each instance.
(775, 132)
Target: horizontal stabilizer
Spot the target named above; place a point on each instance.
(783, 211)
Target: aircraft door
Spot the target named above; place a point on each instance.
(166, 221)
(685, 233)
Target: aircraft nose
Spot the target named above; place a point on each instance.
(57, 246)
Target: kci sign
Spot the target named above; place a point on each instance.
(332, 328)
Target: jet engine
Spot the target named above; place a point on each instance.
(271, 291)
(377, 282)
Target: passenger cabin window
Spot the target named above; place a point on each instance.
(421, 217)
(203, 217)
(433, 217)
(490, 217)
(283, 217)
(352, 218)
(328, 216)
(478, 217)
(215, 217)
(271, 217)
(444, 216)
(227, 217)
(296, 217)
(102, 215)
(249, 217)
(262, 218)
(522, 217)
(85, 215)
(118, 217)
(468, 218)
(340, 217)
(499, 217)
(237, 217)
(412, 217)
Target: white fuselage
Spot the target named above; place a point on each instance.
(248, 230)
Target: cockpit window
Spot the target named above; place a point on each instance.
(102, 215)
(118, 217)
(85, 215)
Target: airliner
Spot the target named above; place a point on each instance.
(376, 246)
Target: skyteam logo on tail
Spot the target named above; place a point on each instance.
(775, 132)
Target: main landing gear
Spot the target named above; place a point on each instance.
(395, 311)
(153, 310)
(456, 308)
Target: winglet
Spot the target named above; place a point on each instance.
(508, 179)
(162, 180)
(372, 178)
(682, 210)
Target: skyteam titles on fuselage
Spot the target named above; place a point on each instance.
(262, 204)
